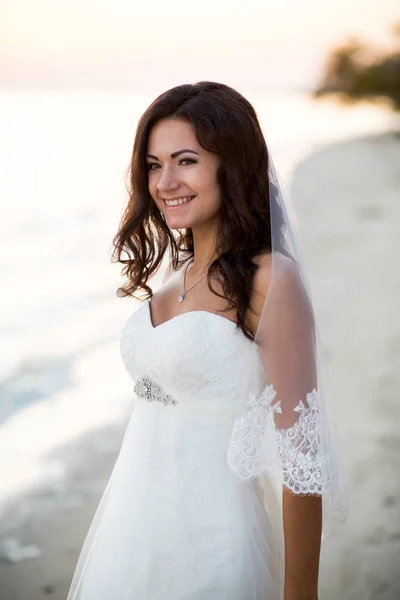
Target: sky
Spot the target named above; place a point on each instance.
(111, 44)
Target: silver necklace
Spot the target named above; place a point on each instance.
(183, 292)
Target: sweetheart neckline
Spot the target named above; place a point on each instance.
(188, 312)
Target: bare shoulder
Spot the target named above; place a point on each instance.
(259, 288)
(262, 275)
(286, 283)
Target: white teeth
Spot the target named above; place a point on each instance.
(178, 201)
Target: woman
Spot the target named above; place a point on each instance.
(228, 473)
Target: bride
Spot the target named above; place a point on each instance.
(229, 474)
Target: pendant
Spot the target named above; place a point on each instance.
(181, 297)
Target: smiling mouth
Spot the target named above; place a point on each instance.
(175, 204)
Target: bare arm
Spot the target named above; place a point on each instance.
(302, 523)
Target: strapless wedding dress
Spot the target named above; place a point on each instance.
(175, 522)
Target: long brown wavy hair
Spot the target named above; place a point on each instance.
(226, 124)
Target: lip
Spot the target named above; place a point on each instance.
(178, 205)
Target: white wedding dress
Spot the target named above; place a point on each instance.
(175, 522)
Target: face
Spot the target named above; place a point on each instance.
(180, 169)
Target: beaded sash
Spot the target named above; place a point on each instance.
(150, 390)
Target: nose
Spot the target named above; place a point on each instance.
(167, 181)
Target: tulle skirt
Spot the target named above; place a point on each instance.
(174, 522)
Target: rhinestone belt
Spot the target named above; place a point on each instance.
(150, 390)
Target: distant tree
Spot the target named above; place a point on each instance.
(354, 71)
(396, 30)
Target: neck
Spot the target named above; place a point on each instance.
(204, 251)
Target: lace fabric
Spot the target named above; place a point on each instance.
(248, 444)
(304, 468)
(293, 454)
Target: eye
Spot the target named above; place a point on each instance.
(188, 161)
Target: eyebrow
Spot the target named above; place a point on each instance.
(174, 154)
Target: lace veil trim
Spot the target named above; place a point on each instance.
(295, 453)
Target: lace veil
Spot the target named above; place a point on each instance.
(283, 435)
